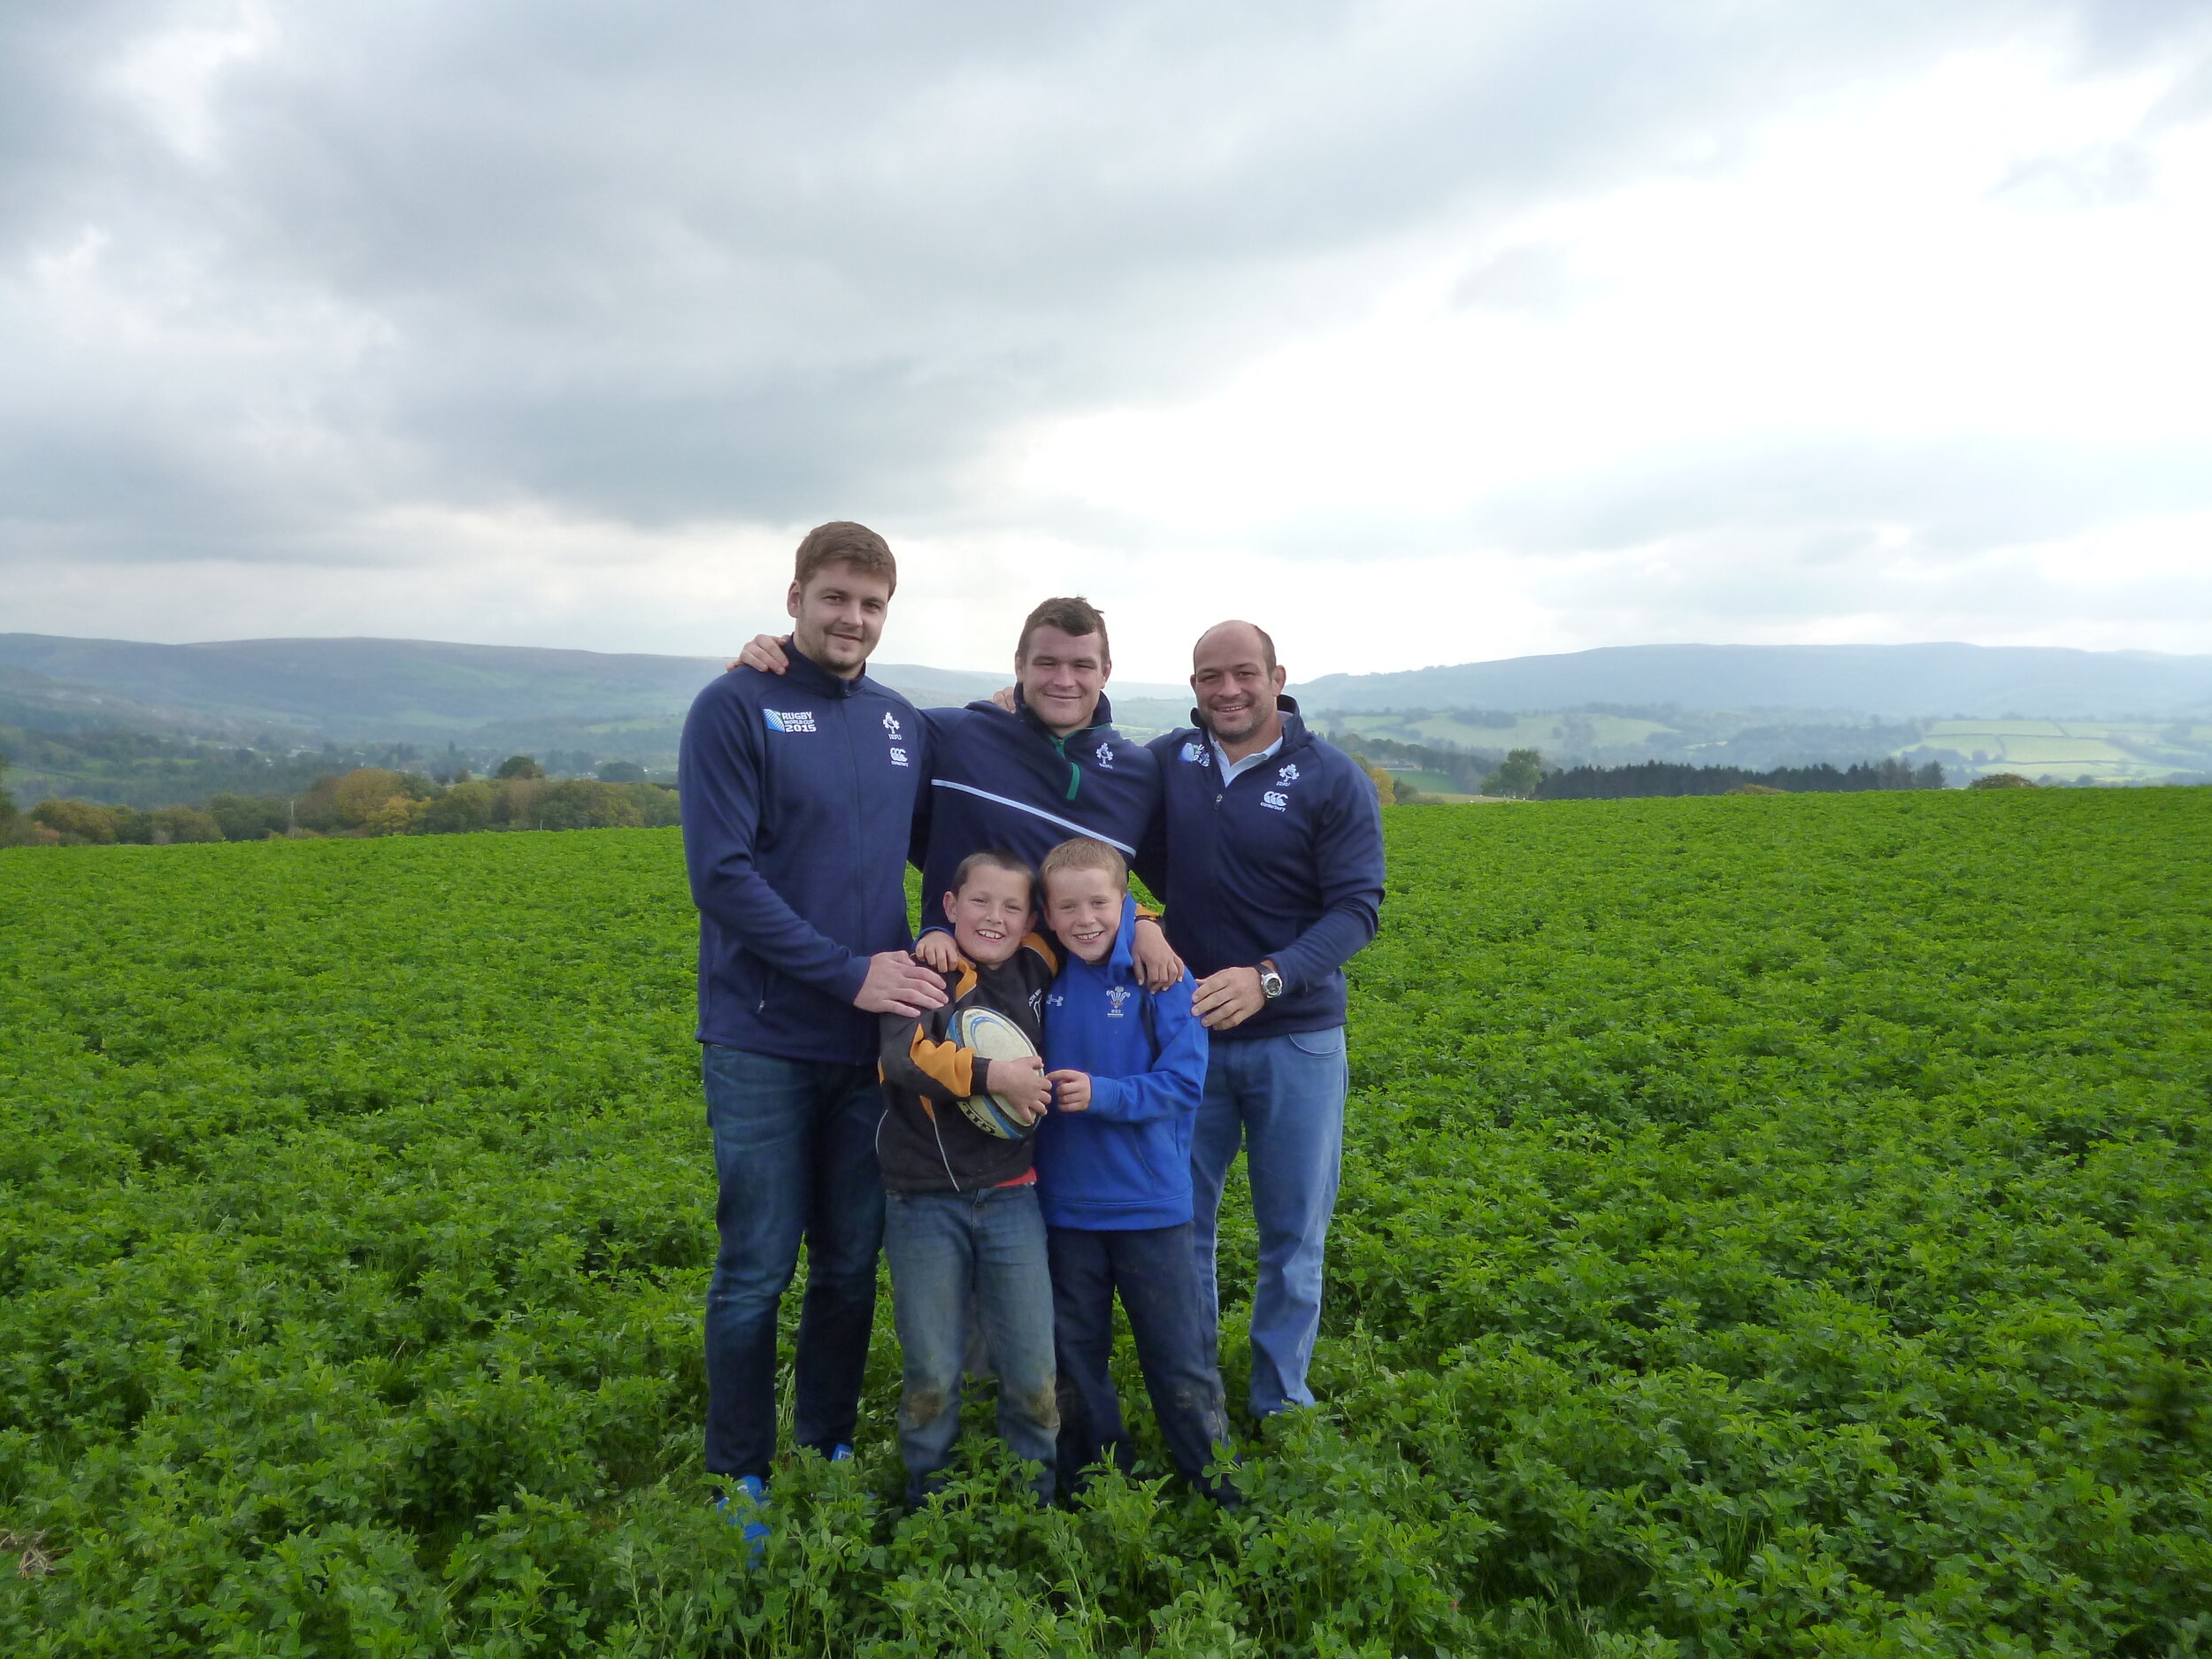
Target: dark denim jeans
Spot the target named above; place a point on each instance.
(944, 1249)
(795, 1152)
(1156, 1270)
(1283, 1099)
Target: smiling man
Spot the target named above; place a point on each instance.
(1027, 772)
(1270, 857)
(798, 797)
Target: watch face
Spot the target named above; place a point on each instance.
(1271, 984)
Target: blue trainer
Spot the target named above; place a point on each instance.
(841, 1453)
(747, 1506)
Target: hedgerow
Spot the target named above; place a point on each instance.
(1769, 1226)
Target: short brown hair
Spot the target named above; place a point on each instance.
(995, 858)
(1084, 853)
(841, 541)
(1075, 618)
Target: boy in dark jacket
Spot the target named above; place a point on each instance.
(1114, 1180)
(960, 1218)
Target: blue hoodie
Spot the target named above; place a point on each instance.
(1001, 780)
(1125, 1162)
(798, 794)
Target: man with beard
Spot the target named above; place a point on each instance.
(798, 795)
(1269, 856)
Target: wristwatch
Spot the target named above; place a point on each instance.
(1271, 982)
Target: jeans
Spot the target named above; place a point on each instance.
(947, 1251)
(795, 1153)
(1283, 1098)
(1156, 1271)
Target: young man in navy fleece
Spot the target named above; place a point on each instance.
(1113, 1179)
(798, 796)
(1270, 857)
(1028, 771)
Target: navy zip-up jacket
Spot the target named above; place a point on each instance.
(1284, 863)
(1124, 1162)
(797, 794)
(1001, 780)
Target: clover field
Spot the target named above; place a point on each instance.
(1769, 1226)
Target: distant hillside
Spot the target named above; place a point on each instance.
(1888, 681)
(420, 691)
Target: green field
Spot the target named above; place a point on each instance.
(2108, 751)
(1769, 1226)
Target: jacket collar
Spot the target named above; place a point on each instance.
(1294, 734)
(804, 670)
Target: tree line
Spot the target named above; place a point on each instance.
(367, 800)
(1672, 778)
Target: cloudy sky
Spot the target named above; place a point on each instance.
(1423, 333)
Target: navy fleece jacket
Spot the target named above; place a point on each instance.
(1001, 780)
(1125, 1162)
(798, 794)
(1284, 863)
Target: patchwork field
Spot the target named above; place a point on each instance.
(1770, 1226)
(2109, 751)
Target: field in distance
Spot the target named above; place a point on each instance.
(1769, 1226)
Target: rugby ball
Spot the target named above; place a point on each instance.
(992, 1037)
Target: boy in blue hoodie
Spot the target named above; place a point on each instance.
(1114, 1180)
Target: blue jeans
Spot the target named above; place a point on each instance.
(1156, 1272)
(1282, 1098)
(945, 1248)
(795, 1153)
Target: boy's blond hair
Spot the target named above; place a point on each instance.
(1084, 853)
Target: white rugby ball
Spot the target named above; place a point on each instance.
(992, 1037)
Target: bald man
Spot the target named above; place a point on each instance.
(1269, 854)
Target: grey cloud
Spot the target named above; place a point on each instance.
(695, 261)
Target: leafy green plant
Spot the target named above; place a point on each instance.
(1768, 1226)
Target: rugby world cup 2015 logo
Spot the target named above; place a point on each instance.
(1115, 995)
(789, 719)
(1194, 752)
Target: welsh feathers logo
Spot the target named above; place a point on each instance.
(891, 725)
(1196, 752)
(789, 719)
(1276, 799)
(1289, 773)
(1115, 995)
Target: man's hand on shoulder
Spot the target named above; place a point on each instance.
(1004, 698)
(897, 984)
(935, 949)
(766, 653)
(1157, 964)
(1228, 998)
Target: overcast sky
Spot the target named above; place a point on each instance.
(1420, 333)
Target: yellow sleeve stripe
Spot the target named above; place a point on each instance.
(945, 1062)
